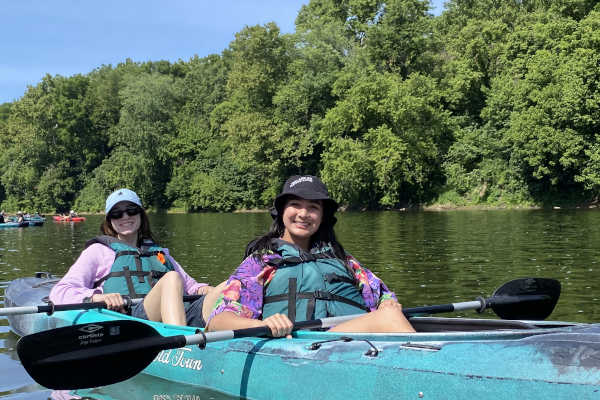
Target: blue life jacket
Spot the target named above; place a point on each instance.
(311, 285)
(135, 270)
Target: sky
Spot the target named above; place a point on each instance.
(68, 37)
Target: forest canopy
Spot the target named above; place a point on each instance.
(493, 102)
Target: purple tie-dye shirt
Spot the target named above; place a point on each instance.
(244, 292)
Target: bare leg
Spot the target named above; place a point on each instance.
(378, 321)
(211, 299)
(165, 300)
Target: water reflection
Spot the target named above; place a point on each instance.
(426, 257)
(434, 257)
(142, 387)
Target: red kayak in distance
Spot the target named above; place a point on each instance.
(60, 218)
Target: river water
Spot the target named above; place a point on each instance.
(425, 257)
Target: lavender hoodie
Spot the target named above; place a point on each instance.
(92, 265)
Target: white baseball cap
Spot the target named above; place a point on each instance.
(121, 195)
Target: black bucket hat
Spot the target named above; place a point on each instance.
(307, 187)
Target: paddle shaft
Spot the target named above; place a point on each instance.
(51, 308)
(467, 305)
(202, 339)
(158, 343)
(480, 304)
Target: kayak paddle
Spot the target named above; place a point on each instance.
(524, 298)
(113, 351)
(50, 308)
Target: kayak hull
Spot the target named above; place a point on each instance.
(35, 221)
(58, 218)
(447, 358)
(14, 225)
(29, 291)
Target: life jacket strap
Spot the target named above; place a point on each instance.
(295, 260)
(292, 300)
(309, 257)
(127, 274)
(126, 253)
(332, 278)
(138, 267)
(312, 300)
(155, 275)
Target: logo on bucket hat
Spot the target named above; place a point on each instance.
(301, 179)
(307, 187)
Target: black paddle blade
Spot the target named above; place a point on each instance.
(88, 355)
(526, 298)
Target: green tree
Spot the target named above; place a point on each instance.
(258, 57)
(138, 155)
(196, 149)
(401, 39)
(49, 147)
(404, 130)
(540, 116)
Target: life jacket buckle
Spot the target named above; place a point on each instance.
(307, 257)
(156, 275)
(322, 295)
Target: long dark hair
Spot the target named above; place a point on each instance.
(323, 236)
(144, 233)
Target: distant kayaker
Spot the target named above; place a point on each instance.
(126, 261)
(20, 218)
(299, 271)
(2, 217)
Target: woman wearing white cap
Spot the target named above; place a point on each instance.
(126, 261)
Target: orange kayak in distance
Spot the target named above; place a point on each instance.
(60, 218)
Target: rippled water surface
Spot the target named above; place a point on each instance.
(425, 257)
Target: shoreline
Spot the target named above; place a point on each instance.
(451, 207)
(429, 208)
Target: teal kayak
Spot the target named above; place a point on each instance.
(450, 358)
(35, 221)
(14, 225)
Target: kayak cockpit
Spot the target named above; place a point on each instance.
(441, 330)
(438, 324)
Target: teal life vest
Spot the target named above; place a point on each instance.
(135, 270)
(311, 285)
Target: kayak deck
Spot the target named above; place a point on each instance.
(27, 292)
(541, 362)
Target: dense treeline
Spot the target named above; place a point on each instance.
(493, 102)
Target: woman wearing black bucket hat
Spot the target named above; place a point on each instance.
(299, 271)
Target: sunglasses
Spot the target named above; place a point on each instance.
(118, 213)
